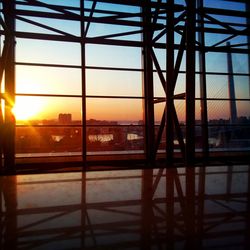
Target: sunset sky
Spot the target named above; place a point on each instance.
(67, 81)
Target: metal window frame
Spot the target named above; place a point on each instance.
(166, 17)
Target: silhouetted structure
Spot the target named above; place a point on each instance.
(231, 88)
(65, 118)
(158, 40)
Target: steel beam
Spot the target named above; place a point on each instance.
(177, 127)
(231, 90)
(83, 79)
(148, 87)
(190, 82)
(9, 123)
(203, 84)
(3, 61)
(169, 87)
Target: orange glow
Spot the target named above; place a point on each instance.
(27, 107)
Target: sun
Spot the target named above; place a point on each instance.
(27, 107)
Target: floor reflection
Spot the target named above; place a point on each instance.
(183, 208)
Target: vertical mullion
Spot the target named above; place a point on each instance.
(9, 123)
(203, 88)
(169, 85)
(83, 80)
(190, 82)
(148, 82)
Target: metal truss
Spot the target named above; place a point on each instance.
(158, 23)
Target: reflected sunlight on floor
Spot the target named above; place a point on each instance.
(192, 208)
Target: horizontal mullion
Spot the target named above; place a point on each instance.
(210, 73)
(225, 49)
(76, 66)
(222, 73)
(160, 99)
(113, 153)
(214, 124)
(121, 34)
(47, 37)
(50, 125)
(113, 68)
(226, 124)
(48, 95)
(77, 125)
(223, 99)
(114, 42)
(114, 125)
(121, 69)
(114, 97)
(48, 65)
(127, 97)
(80, 96)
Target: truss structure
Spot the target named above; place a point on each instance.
(178, 29)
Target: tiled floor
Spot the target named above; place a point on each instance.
(194, 208)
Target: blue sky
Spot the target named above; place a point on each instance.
(36, 80)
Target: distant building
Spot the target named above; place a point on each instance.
(65, 118)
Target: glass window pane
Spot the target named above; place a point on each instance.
(123, 111)
(32, 141)
(47, 110)
(115, 139)
(114, 83)
(113, 56)
(43, 51)
(48, 80)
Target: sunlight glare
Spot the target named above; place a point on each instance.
(27, 108)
